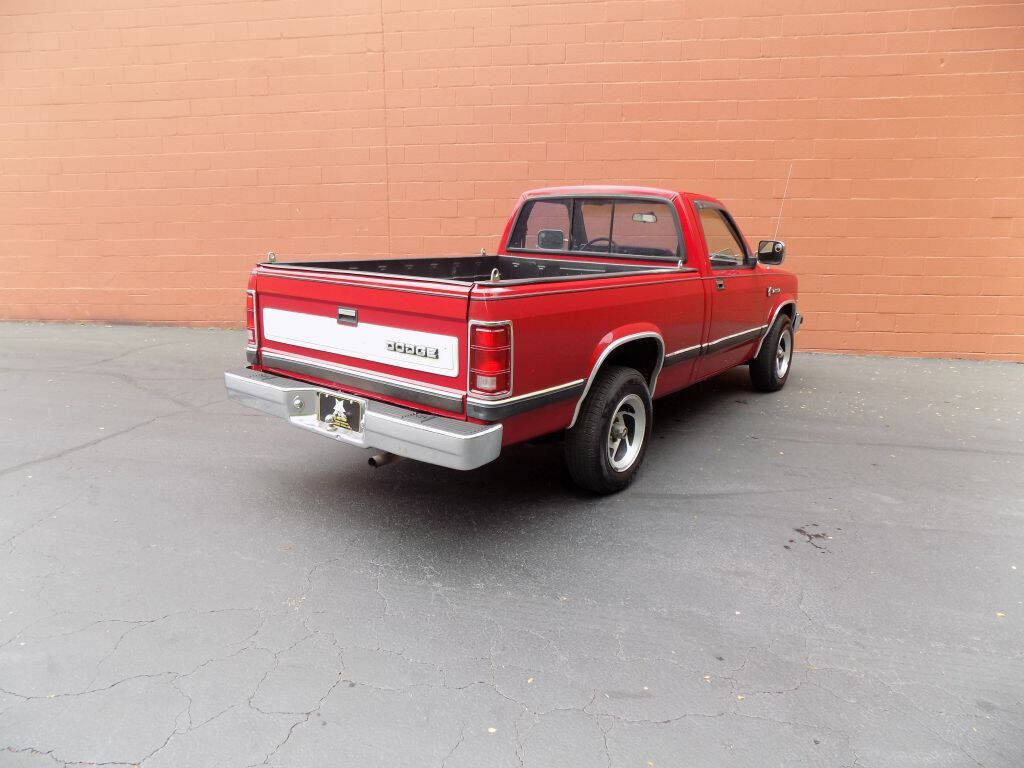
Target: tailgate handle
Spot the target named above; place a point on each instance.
(348, 316)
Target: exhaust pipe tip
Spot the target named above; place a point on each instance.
(380, 459)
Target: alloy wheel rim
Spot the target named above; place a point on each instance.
(784, 353)
(626, 432)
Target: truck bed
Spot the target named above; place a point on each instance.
(478, 269)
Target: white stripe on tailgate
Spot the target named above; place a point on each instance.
(365, 340)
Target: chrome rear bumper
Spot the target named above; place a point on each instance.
(422, 436)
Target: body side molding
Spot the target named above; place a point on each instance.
(495, 410)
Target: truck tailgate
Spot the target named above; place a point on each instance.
(388, 337)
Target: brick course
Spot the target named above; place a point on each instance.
(151, 151)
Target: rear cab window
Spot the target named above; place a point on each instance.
(628, 227)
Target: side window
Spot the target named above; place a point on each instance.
(592, 229)
(542, 225)
(724, 248)
(643, 228)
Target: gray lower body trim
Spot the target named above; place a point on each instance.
(718, 345)
(349, 377)
(422, 436)
(495, 410)
(735, 340)
(683, 354)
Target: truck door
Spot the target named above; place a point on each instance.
(736, 293)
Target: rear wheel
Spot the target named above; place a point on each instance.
(770, 369)
(607, 445)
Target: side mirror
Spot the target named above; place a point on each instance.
(551, 240)
(771, 251)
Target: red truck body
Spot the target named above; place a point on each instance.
(676, 317)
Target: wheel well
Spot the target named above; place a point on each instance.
(642, 354)
(789, 310)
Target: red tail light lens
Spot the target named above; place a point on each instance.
(490, 358)
(491, 336)
(250, 315)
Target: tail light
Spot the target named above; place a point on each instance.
(250, 316)
(490, 358)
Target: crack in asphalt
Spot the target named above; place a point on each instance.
(458, 743)
(301, 721)
(88, 444)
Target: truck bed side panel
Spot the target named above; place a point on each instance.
(559, 332)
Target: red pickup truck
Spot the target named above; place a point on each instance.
(599, 299)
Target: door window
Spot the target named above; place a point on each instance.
(724, 247)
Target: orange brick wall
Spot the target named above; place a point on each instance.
(151, 151)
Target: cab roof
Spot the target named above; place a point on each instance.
(612, 190)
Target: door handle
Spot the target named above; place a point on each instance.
(720, 284)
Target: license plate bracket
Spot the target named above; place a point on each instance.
(335, 411)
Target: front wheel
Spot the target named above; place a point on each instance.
(606, 446)
(770, 369)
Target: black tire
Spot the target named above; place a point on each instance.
(767, 371)
(587, 443)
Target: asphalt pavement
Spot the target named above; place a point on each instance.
(832, 575)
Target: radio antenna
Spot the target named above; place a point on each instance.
(782, 203)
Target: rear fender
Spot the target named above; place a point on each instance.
(616, 340)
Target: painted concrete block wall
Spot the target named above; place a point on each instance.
(151, 151)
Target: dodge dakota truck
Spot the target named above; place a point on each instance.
(599, 299)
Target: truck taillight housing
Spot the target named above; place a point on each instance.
(490, 358)
(250, 316)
